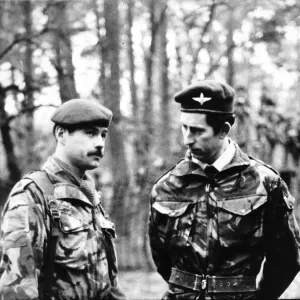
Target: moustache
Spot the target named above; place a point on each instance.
(96, 153)
(195, 150)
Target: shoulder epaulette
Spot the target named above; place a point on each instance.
(168, 171)
(20, 186)
(264, 164)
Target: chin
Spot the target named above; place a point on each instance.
(93, 166)
(96, 165)
(198, 156)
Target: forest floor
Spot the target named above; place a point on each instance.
(141, 285)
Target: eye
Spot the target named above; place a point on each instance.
(194, 130)
(90, 132)
(104, 135)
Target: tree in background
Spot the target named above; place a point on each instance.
(58, 14)
(133, 56)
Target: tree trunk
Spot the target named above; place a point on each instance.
(164, 140)
(28, 78)
(230, 46)
(144, 176)
(112, 100)
(11, 159)
(102, 48)
(130, 55)
(58, 15)
(14, 172)
(133, 247)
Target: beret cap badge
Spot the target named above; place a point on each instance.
(201, 99)
(206, 96)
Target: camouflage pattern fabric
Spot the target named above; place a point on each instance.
(225, 227)
(83, 267)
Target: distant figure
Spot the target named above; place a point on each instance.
(270, 129)
(219, 214)
(244, 132)
(57, 240)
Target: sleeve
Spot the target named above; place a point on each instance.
(21, 248)
(115, 292)
(108, 228)
(282, 239)
(158, 227)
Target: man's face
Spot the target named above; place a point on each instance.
(84, 148)
(200, 137)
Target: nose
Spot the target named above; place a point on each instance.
(99, 142)
(188, 137)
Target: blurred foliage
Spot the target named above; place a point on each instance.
(51, 50)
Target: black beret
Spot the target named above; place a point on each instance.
(82, 111)
(207, 96)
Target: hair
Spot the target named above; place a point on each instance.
(70, 128)
(74, 127)
(216, 121)
(79, 126)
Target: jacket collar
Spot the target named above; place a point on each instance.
(240, 159)
(64, 186)
(187, 166)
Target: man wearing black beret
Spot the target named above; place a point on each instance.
(221, 223)
(57, 240)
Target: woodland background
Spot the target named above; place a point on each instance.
(133, 56)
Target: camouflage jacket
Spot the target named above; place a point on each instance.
(227, 227)
(83, 268)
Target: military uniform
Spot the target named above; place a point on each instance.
(224, 228)
(84, 243)
(84, 260)
(211, 232)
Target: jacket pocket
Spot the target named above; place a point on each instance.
(175, 221)
(71, 248)
(241, 218)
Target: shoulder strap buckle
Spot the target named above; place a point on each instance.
(55, 217)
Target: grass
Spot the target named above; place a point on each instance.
(140, 285)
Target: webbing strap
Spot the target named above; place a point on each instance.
(213, 284)
(42, 180)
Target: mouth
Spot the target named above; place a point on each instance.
(97, 155)
(196, 151)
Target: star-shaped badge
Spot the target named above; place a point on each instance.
(201, 99)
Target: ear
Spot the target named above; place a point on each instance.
(60, 134)
(225, 130)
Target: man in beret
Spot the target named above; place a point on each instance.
(57, 240)
(219, 214)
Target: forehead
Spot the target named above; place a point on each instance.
(98, 128)
(93, 127)
(193, 119)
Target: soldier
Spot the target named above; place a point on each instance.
(218, 214)
(244, 132)
(57, 241)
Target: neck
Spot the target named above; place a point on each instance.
(223, 148)
(66, 164)
(217, 154)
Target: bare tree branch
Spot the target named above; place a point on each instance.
(161, 18)
(23, 38)
(11, 87)
(214, 66)
(195, 54)
(27, 110)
